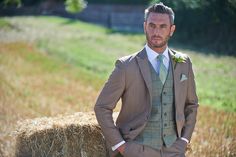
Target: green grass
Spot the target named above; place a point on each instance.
(215, 79)
(92, 51)
(4, 24)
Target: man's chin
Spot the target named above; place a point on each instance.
(158, 45)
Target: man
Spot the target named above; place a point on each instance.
(157, 89)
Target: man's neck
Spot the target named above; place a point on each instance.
(158, 50)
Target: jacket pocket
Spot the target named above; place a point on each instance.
(129, 133)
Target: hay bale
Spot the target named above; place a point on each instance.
(77, 135)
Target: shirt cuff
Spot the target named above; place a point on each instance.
(117, 145)
(184, 139)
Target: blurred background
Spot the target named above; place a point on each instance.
(208, 25)
(55, 56)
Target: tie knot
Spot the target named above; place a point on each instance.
(160, 57)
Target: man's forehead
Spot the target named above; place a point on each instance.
(158, 17)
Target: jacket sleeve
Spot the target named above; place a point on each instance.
(107, 101)
(191, 105)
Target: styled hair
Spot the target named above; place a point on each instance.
(160, 8)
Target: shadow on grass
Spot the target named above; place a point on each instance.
(179, 45)
(123, 32)
(203, 50)
(69, 21)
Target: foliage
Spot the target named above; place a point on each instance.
(72, 6)
(133, 2)
(182, 4)
(75, 6)
(11, 2)
(34, 2)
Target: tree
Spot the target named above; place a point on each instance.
(12, 2)
(72, 6)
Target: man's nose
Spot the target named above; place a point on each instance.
(156, 31)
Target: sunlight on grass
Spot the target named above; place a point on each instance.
(4, 24)
(43, 75)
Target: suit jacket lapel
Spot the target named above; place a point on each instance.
(145, 70)
(176, 75)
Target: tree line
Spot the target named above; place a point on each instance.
(207, 24)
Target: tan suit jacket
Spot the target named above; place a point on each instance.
(131, 81)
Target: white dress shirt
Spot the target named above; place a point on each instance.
(152, 57)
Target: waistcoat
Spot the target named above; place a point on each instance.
(161, 127)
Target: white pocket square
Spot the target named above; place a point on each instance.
(183, 77)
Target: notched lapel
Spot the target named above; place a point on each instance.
(171, 54)
(145, 69)
(176, 73)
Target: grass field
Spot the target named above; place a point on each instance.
(51, 66)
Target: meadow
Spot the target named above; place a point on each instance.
(51, 66)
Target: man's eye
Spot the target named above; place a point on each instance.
(152, 26)
(163, 26)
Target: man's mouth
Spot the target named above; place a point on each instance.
(157, 38)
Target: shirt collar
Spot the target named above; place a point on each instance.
(152, 55)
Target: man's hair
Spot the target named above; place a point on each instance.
(160, 8)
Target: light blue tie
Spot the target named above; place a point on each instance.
(162, 69)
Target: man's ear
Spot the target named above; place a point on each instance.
(172, 30)
(144, 27)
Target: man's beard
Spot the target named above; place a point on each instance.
(163, 43)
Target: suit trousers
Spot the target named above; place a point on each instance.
(134, 149)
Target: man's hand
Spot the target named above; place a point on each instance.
(121, 149)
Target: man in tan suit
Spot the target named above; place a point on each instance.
(157, 89)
